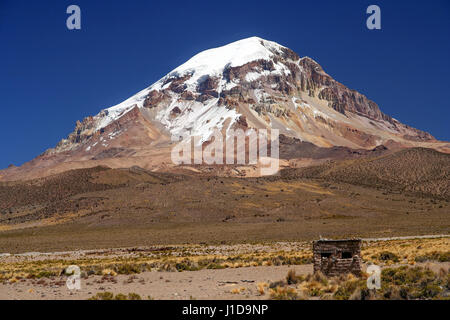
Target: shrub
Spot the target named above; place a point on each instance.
(414, 283)
(386, 256)
(434, 256)
(120, 296)
(215, 266)
(277, 284)
(283, 293)
(103, 296)
(45, 274)
(108, 272)
(134, 296)
(291, 277)
(261, 287)
(237, 290)
(187, 265)
(320, 277)
(128, 269)
(345, 290)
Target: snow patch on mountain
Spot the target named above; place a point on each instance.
(196, 119)
(212, 62)
(106, 116)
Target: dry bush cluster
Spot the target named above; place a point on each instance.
(402, 283)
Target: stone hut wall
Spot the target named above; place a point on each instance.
(336, 257)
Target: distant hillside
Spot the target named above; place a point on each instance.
(417, 170)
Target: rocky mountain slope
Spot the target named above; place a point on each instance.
(251, 83)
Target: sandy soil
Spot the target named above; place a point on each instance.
(202, 284)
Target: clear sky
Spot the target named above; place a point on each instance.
(51, 76)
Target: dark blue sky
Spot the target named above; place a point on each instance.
(50, 76)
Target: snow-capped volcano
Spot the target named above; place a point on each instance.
(209, 64)
(257, 83)
(250, 83)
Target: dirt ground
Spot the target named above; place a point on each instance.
(269, 211)
(233, 271)
(109, 208)
(223, 284)
(202, 284)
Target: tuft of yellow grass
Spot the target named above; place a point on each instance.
(13, 280)
(237, 290)
(109, 272)
(283, 293)
(261, 287)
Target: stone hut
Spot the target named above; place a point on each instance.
(336, 257)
